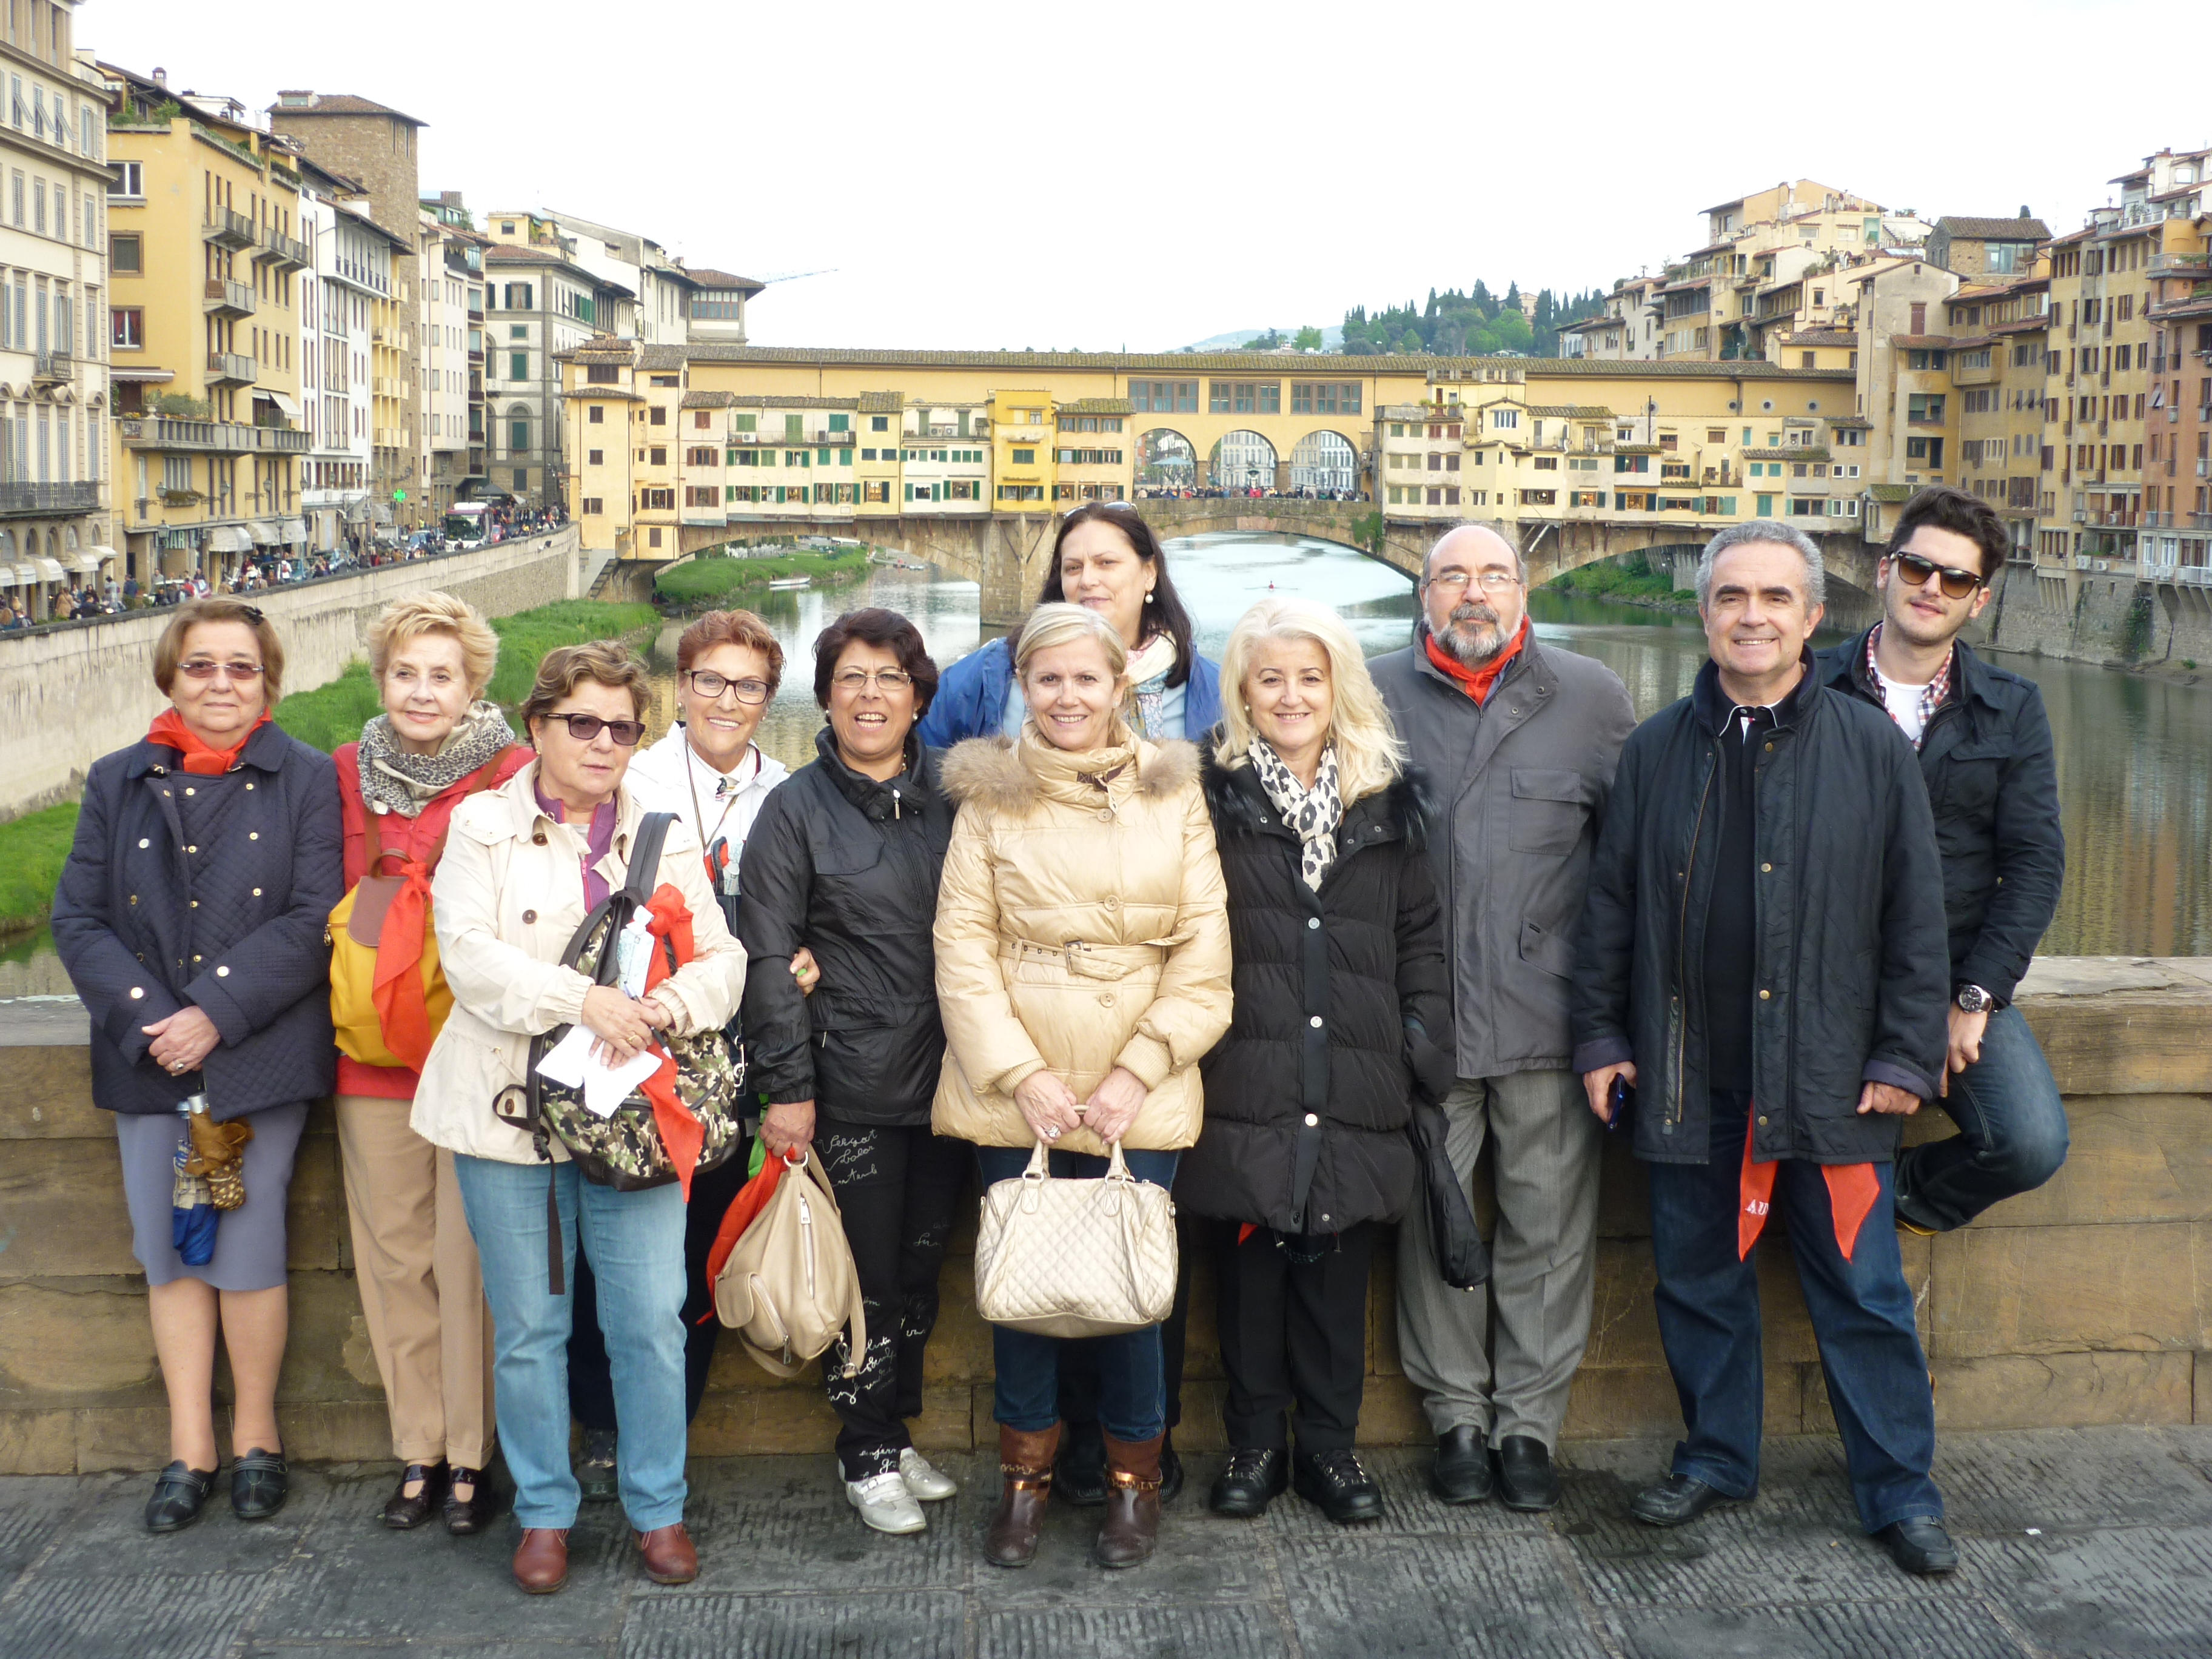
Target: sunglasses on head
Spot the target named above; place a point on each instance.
(586, 728)
(1916, 570)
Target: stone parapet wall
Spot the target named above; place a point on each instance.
(71, 695)
(2086, 1303)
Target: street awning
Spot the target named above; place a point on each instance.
(229, 538)
(81, 562)
(263, 533)
(105, 554)
(282, 401)
(292, 530)
(49, 570)
(21, 575)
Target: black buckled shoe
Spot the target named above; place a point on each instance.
(470, 1515)
(597, 1478)
(1675, 1501)
(1079, 1476)
(1525, 1479)
(259, 1482)
(180, 1492)
(405, 1514)
(1254, 1477)
(1337, 1481)
(1920, 1545)
(1460, 1474)
(1170, 1469)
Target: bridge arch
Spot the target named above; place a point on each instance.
(1166, 460)
(1241, 459)
(1325, 459)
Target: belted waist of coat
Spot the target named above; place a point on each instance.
(1086, 960)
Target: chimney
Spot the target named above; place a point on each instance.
(2024, 213)
(162, 79)
(451, 199)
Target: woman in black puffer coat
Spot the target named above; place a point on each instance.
(1343, 1011)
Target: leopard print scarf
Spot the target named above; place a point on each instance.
(1313, 814)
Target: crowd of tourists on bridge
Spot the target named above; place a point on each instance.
(1218, 492)
(1080, 921)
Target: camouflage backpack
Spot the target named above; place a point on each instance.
(623, 1151)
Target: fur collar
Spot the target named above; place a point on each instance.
(1236, 802)
(989, 771)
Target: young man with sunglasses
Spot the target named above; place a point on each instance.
(1985, 750)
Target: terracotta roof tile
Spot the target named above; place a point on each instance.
(341, 103)
(1996, 230)
(1298, 367)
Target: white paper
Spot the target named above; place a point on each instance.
(634, 955)
(605, 1087)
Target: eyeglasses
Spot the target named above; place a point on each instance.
(1456, 582)
(586, 728)
(710, 684)
(853, 681)
(199, 668)
(1916, 570)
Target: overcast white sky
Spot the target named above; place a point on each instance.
(1146, 174)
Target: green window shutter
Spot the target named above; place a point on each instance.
(795, 427)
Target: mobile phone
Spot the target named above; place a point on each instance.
(1620, 1099)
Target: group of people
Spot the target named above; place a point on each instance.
(1087, 890)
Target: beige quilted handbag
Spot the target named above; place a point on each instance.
(789, 1285)
(1061, 1257)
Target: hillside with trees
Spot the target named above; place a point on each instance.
(1479, 324)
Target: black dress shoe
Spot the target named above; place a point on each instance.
(599, 1478)
(1675, 1500)
(1337, 1481)
(1462, 1472)
(1079, 1476)
(464, 1515)
(1920, 1545)
(180, 1491)
(259, 1482)
(1525, 1479)
(1170, 1469)
(405, 1514)
(1254, 1477)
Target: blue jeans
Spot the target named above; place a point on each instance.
(637, 1245)
(2012, 1133)
(1862, 1312)
(1131, 1395)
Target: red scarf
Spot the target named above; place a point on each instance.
(1852, 1189)
(1477, 681)
(194, 755)
(681, 1132)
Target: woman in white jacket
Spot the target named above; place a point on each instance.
(524, 865)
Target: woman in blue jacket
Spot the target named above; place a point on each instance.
(1107, 559)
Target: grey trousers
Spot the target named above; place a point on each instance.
(1542, 1257)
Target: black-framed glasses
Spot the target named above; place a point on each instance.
(853, 681)
(200, 668)
(706, 682)
(1916, 570)
(586, 728)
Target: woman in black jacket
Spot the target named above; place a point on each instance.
(191, 918)
(844, 860)
(1343, 1011)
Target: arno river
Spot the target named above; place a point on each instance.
(2135, 755)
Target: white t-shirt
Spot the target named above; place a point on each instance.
(671, 777)
(1904, 703)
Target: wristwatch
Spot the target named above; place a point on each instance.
(1972, 999)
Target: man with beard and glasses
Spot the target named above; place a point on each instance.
(1521, 741)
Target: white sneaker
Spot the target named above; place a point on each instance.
(886, 1504)
(923, 1479)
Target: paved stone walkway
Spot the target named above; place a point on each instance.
(2088, 1543)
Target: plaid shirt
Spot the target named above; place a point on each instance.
(1931, 695)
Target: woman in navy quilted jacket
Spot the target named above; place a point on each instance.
(191, 918)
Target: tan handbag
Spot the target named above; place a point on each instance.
(1062, 1257)
(789, 1285)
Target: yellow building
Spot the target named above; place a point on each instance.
(1091, 453)
(204, 235)
(1021, 451)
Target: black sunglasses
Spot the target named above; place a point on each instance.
(586, 728)
(1916, 570)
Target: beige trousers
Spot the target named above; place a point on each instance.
(422, 1290)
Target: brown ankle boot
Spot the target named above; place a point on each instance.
(1133, 1502)
(1025, 1460)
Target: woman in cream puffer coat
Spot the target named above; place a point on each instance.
(1082, 972)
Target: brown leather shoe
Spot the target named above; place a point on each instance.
(670, 1558)
(1025, 1461)
(541, 1560)
(1133, 1502)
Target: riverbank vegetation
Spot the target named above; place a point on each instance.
(1631, 579)
(33, 848)
(713, 580)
